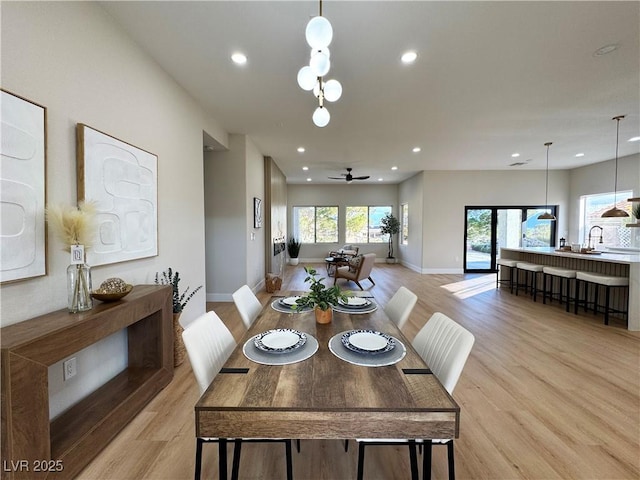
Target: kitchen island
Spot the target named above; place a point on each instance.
(616, 263)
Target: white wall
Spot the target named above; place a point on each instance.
(71, 58)
(340, 196)
(411, 192)
(254, 180)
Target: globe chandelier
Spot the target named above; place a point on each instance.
(319, 34)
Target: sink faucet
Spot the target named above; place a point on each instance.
(590, 230)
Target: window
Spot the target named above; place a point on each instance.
(404, 224)
(315, 224)
(363, 224)
(614, 233)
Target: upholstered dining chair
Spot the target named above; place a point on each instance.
(358, 269)
(400, 306)
(247, 304)
(209, 343)
(444, 345)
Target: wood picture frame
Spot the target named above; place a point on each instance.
(23, 180)
(122, 180)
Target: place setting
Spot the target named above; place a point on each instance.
(288, 305)
(280, 346)
(355, 305)
(367, 348)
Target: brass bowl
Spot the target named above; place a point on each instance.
(112, 297)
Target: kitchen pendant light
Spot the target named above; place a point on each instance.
(615, 212)
(547, 215)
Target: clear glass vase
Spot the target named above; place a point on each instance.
(79, 287)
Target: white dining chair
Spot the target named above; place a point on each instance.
(400, 306)
(247, 304)
(444, 345)
(209, 344)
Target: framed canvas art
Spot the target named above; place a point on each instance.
(123, 181)
(23, 147)
(257, 212)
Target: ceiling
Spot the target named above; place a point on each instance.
(491, 79)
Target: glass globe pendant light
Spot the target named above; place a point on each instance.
(321, 117)
(547, 215)
(615, 211)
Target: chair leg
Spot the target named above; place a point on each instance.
(235, 469)
(361, 446)
(371, 280)
(287, 445)
(452, 471)
(413, 460)
(222, 459)
(358, 283)
(346, 445)
(298, 445)
(606, 305)
(198, 458)
(426, 460)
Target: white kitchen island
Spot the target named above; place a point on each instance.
(610, 263)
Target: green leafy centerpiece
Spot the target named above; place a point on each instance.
(320, 297)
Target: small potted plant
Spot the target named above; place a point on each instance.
(321, 298)
(390, 225)
(293, 249)
(169, 277)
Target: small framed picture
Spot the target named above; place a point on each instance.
(257, 212)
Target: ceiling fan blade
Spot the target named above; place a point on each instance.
(336, 178)
(361, 178)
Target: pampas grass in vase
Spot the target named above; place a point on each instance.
(75, 227)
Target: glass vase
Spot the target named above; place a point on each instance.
(79, 287)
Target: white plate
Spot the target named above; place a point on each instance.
(281, 340)
(291, 301)
(370, 342)
(355, 302)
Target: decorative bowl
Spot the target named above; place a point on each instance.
(111, 297)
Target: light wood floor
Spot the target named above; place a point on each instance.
(544, 395)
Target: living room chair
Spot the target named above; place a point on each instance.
(209, 344)
(400, 306)
(358, 269)
(346, 251)
(247, 304)
(444, 345)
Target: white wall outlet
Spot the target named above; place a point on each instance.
(69, 369)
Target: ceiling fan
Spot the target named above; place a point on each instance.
(348, 177)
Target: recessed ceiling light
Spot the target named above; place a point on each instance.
(394, 168)
(633, 139)
(515, 155)
(416, 149)
(380, 179)
(409, 57)
(239, 58)
(305, 168)
(308, 179)
(606, 49)
(301, 150)
(580, 154)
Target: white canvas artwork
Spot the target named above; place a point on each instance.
(22, 189)
(122, 180)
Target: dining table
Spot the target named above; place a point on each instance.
(329, 388)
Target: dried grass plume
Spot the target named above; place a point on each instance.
(73, 226)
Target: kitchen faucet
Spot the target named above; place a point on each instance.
(590, 230)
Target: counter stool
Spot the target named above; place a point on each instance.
(565, 277)
(598, 280)
(531, 271)
(504, 263)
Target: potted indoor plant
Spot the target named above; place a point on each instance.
(390, 225)
(169, 277)
(321, 298)
(293, 249)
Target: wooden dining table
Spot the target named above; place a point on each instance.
(324, 397)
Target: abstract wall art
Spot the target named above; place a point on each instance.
(122, 180)
(22, 188)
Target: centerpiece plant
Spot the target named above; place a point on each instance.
(320, 297)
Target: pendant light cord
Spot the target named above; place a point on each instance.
(546, 190)
(615, 181)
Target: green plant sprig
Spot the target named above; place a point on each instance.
(168, 277)
(319, 295)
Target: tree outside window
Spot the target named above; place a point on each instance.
(363, 224)
(316, 224)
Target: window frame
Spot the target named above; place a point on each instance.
(296, 229)
(368, 226)
(404, 223)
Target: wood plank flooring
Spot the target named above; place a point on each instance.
(544, 395)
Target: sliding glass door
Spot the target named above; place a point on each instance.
(487, 229)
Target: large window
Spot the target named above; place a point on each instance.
(404, 224)
(315, 224)
(363, 224)
(613, 230)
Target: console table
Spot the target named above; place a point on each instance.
(71, 440)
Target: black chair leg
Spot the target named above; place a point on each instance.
(287, 445)
(426, 460)
(361, 446)
(198, 458)
(413, 460)
(298, 444)
(346, 445)
(235, 469)
(452, 470)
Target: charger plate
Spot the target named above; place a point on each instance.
(256, 355)
(367, 359)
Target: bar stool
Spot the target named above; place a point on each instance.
(531, 271)
(510, 264)
(599, 280)
(565, 277)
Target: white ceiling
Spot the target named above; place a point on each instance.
(491, 79)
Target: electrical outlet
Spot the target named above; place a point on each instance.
(69, 369)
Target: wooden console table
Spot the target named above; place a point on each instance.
(71, 440)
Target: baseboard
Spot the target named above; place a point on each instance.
(411, 266)
(443, 271)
